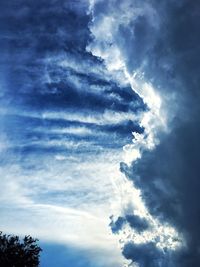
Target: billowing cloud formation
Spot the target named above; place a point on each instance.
(158, 43)
(134, 222)
(144, 254)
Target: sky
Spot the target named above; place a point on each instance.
(99, 130)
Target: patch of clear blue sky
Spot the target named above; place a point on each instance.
(54, 255)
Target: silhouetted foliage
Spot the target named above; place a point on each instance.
(16, 253)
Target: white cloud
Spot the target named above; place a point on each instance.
(105, 118)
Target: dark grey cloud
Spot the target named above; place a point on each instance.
(168, 176)
(169, 179)
(144, 254)
(134, 221)
(165, 48)
(161, 39)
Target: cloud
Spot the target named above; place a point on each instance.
(171, 190)
(64, 202)
(64, 121)
(156, 49)
(145, 254)
(134, 222)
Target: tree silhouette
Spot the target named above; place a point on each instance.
(14, 253)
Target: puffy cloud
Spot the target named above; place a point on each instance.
(155, 46)
(134, 222)
(168, 177)
(145, 255)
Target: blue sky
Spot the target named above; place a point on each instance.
(99, 116)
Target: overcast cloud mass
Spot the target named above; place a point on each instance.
(100, 126)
